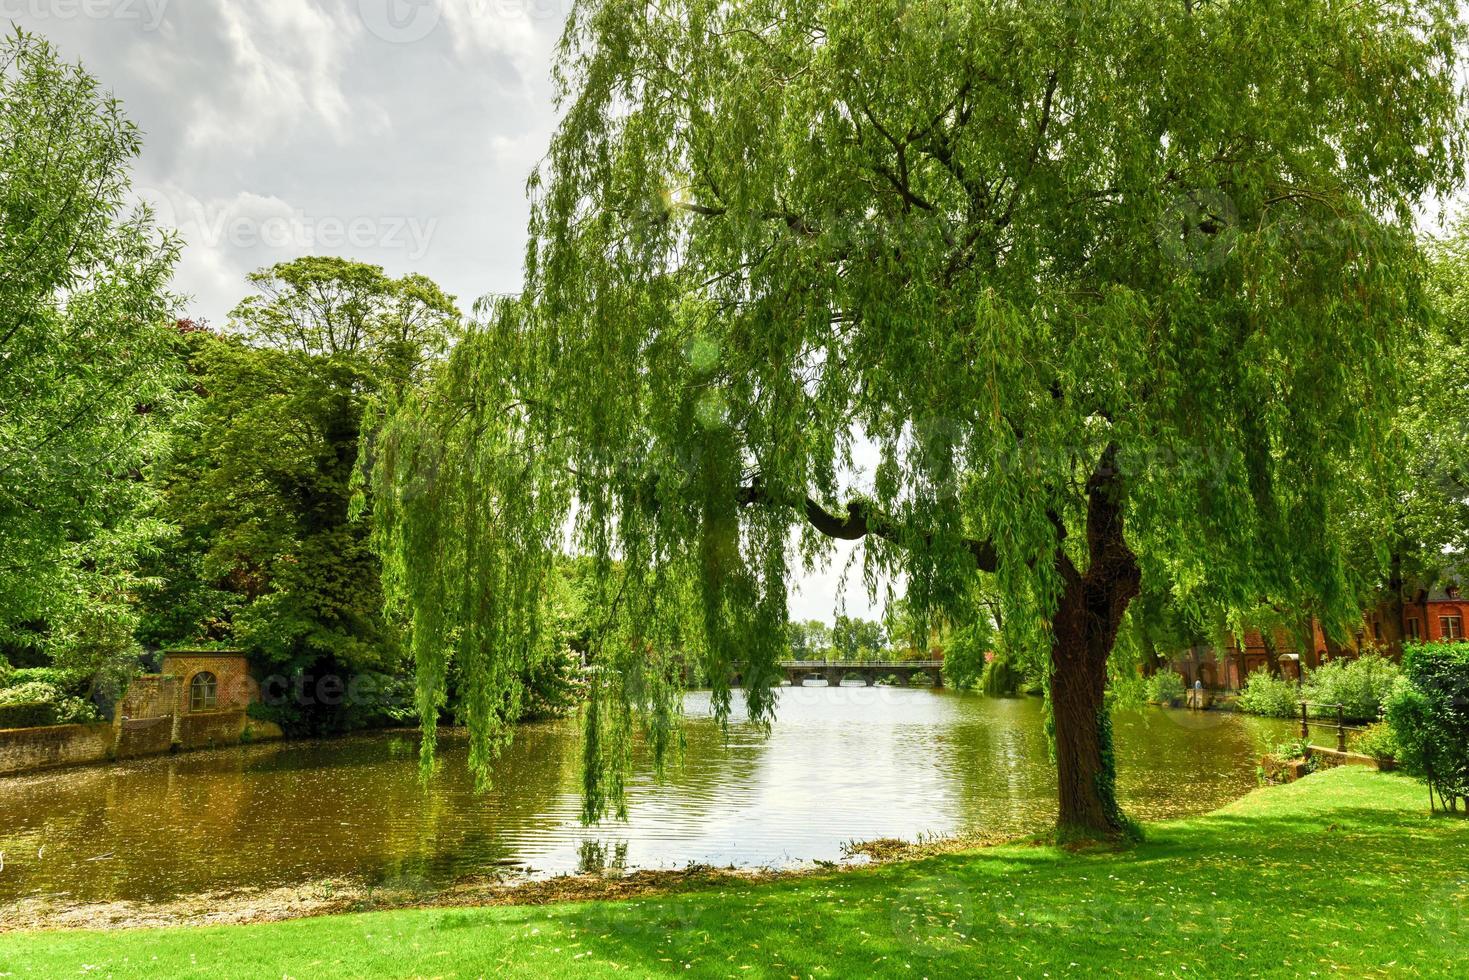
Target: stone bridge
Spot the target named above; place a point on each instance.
(797, 672)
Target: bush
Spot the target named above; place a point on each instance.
(1377, 741)
(1165, 687)
(48, 702)
(31, 692)
(1285, 759)
(1360, 686)
(54, 676)
(1272, 697)
(1292, 748)
(999, 678)
(1428, 712)
(31, 715)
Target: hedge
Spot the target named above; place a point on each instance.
(1429, 715)
(32, 715)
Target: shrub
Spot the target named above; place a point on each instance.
(1359, 686)
(54, 676)
(31, 715)
(1377, 741)
(31, 692)
(1272, 697)
(999, 678)
(1284, 757)
(1292, 748)
(1165, 687)
(1428, 712)
(46, 702)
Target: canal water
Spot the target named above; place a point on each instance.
(840, 764)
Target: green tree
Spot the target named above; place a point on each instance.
(854, 638)
(1429, 521)
(1112, 286)
(809, 640)
(1428, 713)
(271, 555)
(1413, 544)
(86, 365)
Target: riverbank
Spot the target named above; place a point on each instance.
(1341, 872)
(338, 896)
(285, 829)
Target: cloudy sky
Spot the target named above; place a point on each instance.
(398, 132)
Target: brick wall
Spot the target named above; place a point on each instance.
(151, 718)
(149, 696)
(235, 690)
(203, 729)
(144, 736)
(24, 749)
(1437, 612)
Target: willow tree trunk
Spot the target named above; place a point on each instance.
(1391, 613)
(1084, 630)
(1272, 654)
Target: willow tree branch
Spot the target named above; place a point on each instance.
(860, 521)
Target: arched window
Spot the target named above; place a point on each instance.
(203, 691)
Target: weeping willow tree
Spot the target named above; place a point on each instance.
(1113, 288)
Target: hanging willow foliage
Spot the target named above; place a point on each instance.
(1113, 287)
(468, 518)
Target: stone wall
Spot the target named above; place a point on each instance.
(207, 729)
(149, 696)
(153, 717)
(25, 749)
(144, 736)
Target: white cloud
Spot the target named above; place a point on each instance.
(286, 63)
(502, 27)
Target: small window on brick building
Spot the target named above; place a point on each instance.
(203, 691)
(1413, 628)
(1451, 627)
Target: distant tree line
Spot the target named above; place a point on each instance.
(166, 482)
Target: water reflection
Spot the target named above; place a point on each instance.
(840, 764)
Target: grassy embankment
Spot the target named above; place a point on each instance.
(1343, 872)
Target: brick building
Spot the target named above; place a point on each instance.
(199, 698)
(1430, 615)
(1435, 614)
(211, 680)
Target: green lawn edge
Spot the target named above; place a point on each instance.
(1344, 872)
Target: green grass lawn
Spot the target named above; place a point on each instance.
(1343, 872)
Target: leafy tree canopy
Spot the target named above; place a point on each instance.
(1114, 287)
(261, 480)
(86, 367)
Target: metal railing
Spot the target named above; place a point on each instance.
(1341, 723)
(817, 664)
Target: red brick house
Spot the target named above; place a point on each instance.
(1431, 615)
(1435, 614)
